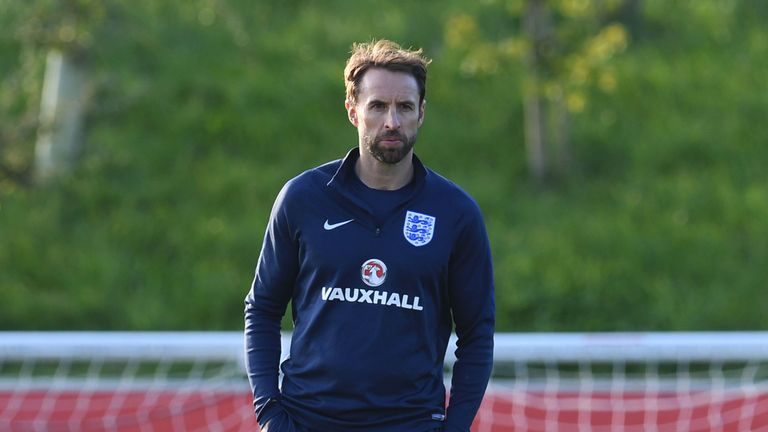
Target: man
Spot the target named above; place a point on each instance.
(379, 256)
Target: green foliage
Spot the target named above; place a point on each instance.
(577, 48)
(203, 109)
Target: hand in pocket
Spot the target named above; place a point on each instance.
(281, 423)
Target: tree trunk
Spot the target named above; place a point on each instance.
(631, 15)
(535, 104)
(562, 139)
(60, 140)
(536, 133)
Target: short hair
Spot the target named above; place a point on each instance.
(387, 55)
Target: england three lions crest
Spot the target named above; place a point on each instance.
(418, 228)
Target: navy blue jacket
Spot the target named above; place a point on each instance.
(374, 298)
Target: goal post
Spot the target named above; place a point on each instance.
(667, 346)
(550, 382)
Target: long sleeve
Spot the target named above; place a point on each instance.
(472, 304)
(265, 306)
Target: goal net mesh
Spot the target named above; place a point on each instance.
(153, 382)
(644, 382)
(195, 381)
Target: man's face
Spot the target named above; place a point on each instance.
(387, 114)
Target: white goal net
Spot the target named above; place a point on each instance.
(124, 381)
(621, 382)
(195, 381)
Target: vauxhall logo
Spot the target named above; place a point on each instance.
(373, 273)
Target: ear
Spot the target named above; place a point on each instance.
(421, 111)
(351, 112)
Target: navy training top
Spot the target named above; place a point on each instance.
(373, 301)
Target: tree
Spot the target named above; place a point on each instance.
(63, 30)
(565, 47)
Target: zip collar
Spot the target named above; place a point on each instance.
(341, 177)
(340, 184)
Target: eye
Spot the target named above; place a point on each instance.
(406, 107)
(378, 106)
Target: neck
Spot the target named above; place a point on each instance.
(379, 175)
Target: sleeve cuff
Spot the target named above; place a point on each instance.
(270, 411)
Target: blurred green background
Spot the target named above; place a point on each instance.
(649, 210)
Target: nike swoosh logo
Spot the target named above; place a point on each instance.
(329, 227)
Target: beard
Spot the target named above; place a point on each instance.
(389, 156)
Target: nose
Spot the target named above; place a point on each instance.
(392, 120)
